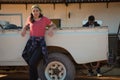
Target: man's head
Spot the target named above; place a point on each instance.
(91, 19)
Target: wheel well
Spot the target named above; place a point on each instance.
(52, 49)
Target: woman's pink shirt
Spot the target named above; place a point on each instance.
(38, 28)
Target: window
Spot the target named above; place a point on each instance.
(57, 22)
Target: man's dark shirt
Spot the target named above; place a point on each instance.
(87, 24)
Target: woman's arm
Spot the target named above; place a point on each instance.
(51, 28)
(23, 32)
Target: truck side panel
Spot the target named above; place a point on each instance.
(84, 44)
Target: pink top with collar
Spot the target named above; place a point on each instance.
(38, 28)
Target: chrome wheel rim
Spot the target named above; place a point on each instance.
(55, 71)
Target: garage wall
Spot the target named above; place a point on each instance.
(110, 15)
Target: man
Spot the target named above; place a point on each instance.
(90, 66)
(91, 22)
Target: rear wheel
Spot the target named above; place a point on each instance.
(59, 67)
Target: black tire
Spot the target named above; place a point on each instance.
(59, 67)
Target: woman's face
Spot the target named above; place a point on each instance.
(36, 12)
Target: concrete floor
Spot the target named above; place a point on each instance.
(113, 74)
(24, 76)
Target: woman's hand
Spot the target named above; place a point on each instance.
(50, 33)
(52, 29)
(23, 32)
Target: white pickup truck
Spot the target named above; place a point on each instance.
(68, 47)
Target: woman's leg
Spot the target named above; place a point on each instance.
(33, 64)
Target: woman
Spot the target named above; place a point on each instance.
(35, 48)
